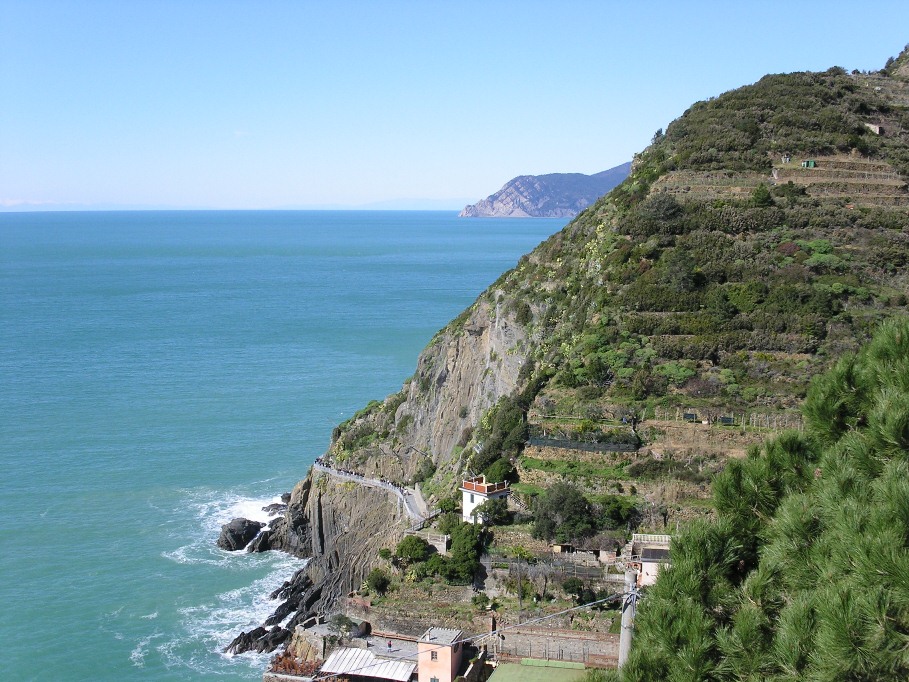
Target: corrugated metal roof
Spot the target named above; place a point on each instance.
(348, 661)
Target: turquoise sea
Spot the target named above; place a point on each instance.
(163, 372)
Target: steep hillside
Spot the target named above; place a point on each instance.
(702, 285)
(556, 195)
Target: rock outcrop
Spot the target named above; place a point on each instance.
(555, 195)
(238, 533)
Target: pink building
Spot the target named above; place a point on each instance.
(439, 653)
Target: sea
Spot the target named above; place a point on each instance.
(163, 372)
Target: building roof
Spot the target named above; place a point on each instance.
(441, 636)
(654, 554)
(479, 485)
(364, 663)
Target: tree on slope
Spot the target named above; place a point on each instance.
(805, 574)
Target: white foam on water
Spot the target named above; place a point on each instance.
(211, 510)
(137, 655)
(211, 626)
(206, 628)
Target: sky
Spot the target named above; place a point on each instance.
(375, 104)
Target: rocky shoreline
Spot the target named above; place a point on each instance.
(339, 526)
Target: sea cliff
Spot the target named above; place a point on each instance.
(342, 525)
(705, 286)
(554, 195)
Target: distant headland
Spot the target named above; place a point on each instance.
(555, 195)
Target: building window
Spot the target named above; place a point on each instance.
(471, 498)
(433, 679)
(434, 656)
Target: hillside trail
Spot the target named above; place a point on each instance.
(410, 498)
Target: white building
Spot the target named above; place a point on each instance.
(475, 491)
(649, 554)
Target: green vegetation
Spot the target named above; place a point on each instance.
(462, 562)
(494, 512)
(702, 285)
(570, 469)
(378, 581)
(805, 572)
(562, 513)
(412, 549)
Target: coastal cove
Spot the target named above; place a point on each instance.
(164, 372)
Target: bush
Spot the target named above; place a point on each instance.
(413, 549)
(562, 513)
(450, 504)
(494, 512)
(500, 470)
(378, 581)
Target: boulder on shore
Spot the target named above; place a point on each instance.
(259, 639)
(238, 533)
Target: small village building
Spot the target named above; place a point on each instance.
(600, 549)
(475, 491)
(439, 653)
(649, 554)
(874, 128)
(652, 560)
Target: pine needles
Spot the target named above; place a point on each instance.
(805, 576)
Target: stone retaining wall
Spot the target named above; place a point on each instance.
(559, 645)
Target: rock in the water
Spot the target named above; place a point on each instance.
(275, 638)
(245, 641)
(260, 639)
(275, 508)
(238, 533)
(285, 498)
(261, 543)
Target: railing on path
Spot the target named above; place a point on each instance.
(425, 521)
(398, 491)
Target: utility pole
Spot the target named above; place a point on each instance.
(629, 606)
(520, 593)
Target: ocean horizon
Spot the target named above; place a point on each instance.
(166, 371)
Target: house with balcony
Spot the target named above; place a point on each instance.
(475, 491)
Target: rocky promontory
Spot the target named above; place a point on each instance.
(555, 195)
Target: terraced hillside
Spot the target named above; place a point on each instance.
(627, 362)
(854, 179)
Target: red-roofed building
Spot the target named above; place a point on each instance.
(475, 491)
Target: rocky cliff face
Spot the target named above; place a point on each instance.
(341, 525)
(556, 195)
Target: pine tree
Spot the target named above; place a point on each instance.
(805, 573)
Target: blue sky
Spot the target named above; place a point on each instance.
(403, 104)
